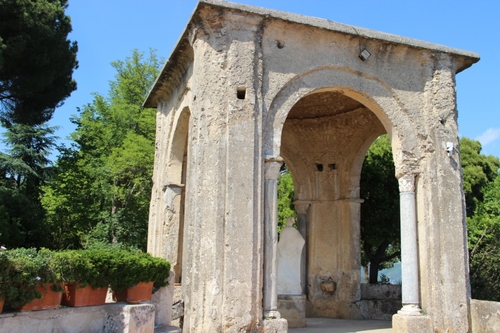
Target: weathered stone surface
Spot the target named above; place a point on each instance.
(162, 300)
(293, 309)
(380, 291)
(379, 309)
(379, 301)
(177, 310)
(168, 329)
(124, 318)
(93, 319)
(177, 306)
(410, 324)
(485, 316)
(275, 326)
(245, 84)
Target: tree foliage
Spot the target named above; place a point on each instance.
(24, 169)
(286, 196)
(380, 221)
(484, 246)
(482, 197)
(103, 183)
(36, 59)
(478, 171)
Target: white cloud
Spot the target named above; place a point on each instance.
(490, 135)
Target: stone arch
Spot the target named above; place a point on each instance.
(175, 192)
(178, 146)
(371, 91)
(339, 208)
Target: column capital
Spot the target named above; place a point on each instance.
(272, 167)
(406, 183)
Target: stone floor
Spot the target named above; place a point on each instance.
(328, 325)
(323, 325)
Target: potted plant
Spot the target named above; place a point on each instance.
(34, 283)
(136, 274)
(86, 274)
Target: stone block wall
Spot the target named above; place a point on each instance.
(380, 301)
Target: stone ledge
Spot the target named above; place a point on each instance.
(112, 317)
(485, 316)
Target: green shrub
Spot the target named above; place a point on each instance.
(115, 266)
(5, 267)
(27, 268)
(21, 270)
(87, 267)
(134, 266)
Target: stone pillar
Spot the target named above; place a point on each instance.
(409, 247)
(271, 173)
(409, 318)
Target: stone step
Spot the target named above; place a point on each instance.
(167, 329)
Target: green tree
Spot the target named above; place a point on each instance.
(380, 222)
(23, 171)
(484, 245)
(103, 183)
(482, 199)
(478, 171)
(286, 196)
(36, 59)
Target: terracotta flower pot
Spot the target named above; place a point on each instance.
(50, 299)
(88, 296)
(2, 301)
(133, 295)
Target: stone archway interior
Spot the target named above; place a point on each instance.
(322, 139)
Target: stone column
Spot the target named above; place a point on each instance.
(271, 172)
(409, 247)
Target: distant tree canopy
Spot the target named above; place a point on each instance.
(478, 170)
(36, 60)
(482, 198)
(380, 222)
(380, 225)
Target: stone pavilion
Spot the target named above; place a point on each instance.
(247, 89)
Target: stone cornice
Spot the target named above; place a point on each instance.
(176, 65)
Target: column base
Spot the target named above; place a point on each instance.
(278, 325)
(410, 310)
(272, 314)
(293, 309)
(402, 323)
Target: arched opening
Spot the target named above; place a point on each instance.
(323, 142)
(380, 215)
(176, 192)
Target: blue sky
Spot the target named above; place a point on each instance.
(108, 30)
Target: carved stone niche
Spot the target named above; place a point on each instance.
(328, 286)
